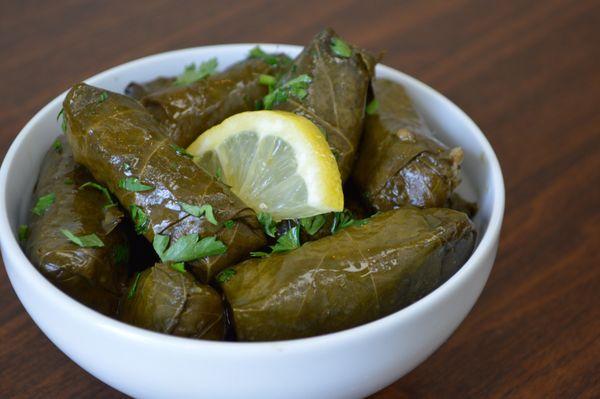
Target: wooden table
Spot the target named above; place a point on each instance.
(527, 72)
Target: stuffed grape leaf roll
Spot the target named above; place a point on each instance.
(141, 90)
(328, 84)
(399, 162)
(360, 274)
(187, 214)
(75, 238)
(187, 111)
(166, 298)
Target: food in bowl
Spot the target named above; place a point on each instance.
(248, 229)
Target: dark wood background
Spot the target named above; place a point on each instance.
(528, 72)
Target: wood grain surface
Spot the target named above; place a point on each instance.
(528, 72)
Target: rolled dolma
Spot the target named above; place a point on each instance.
(399, 162)
(168, 197)
(335, 98)
(141, 90)
(91, 265)
(360, 274)
(166, 298)
(187, 111)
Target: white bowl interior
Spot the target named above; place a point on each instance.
(482, 180)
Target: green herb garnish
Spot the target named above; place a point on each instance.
(68, 180)
(297, 87)
(57, 146)
(121, 253)
(127, 167)
(312, 224)
(267, 222)
(181, 151)
(63, 120)
(100, 188)
(87, 241)
(195, 210)
(43, 203)
(286, 242)
(340, 48)
(225, 275)
(344, 219)
(187, 248)
(372, 107)
(134, 286)
(267, 80)
(179, 266)
(133, 184)
(229, 224)
(192, 74)
(23, 232)
(140, 219)
(270, 59)
(103, 97)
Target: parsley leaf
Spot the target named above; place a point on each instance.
(226, 275)
(181, 151)
(344, 219)
(121, 253)
(372, 107)
(57, 146)
(192, 74)
(87, 241)
(270, 59)
(296, 87)
(194, 210)
(229, 224)
(267, 80)
(140, 219)
(312, 224)
(187, 248)
(133, 184)
(43, 203)
(23, 232)
(340, 48)
(100, 188)
(103, 97)
(179, 266)
(288, 241)
(134, 286)
(267, 222)
(63, 120)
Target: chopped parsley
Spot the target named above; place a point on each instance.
(57, 146)
(286, 242)
(127, 167)
(140, 219)
(312, 224)
(225, 275)
(63, 120)
(296, 87)
(187, 248)
(344, 219)
(181, 151)
(23, 232)
(134, 285)
(179, 266)
(270, 59)
(372, 107)
(192, 74)
(100, 188)
(43, 203)
(87, 241)
(340, 48)
(121, 253)
(68, 180)
(133, 184)
(229, 224)
(195, 210)
(268, 223)
(267, 80)
(103, 97)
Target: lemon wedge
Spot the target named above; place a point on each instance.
(275, 161)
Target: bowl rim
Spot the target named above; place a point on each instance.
(35, 278)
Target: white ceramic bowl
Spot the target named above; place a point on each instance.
(347, 364)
